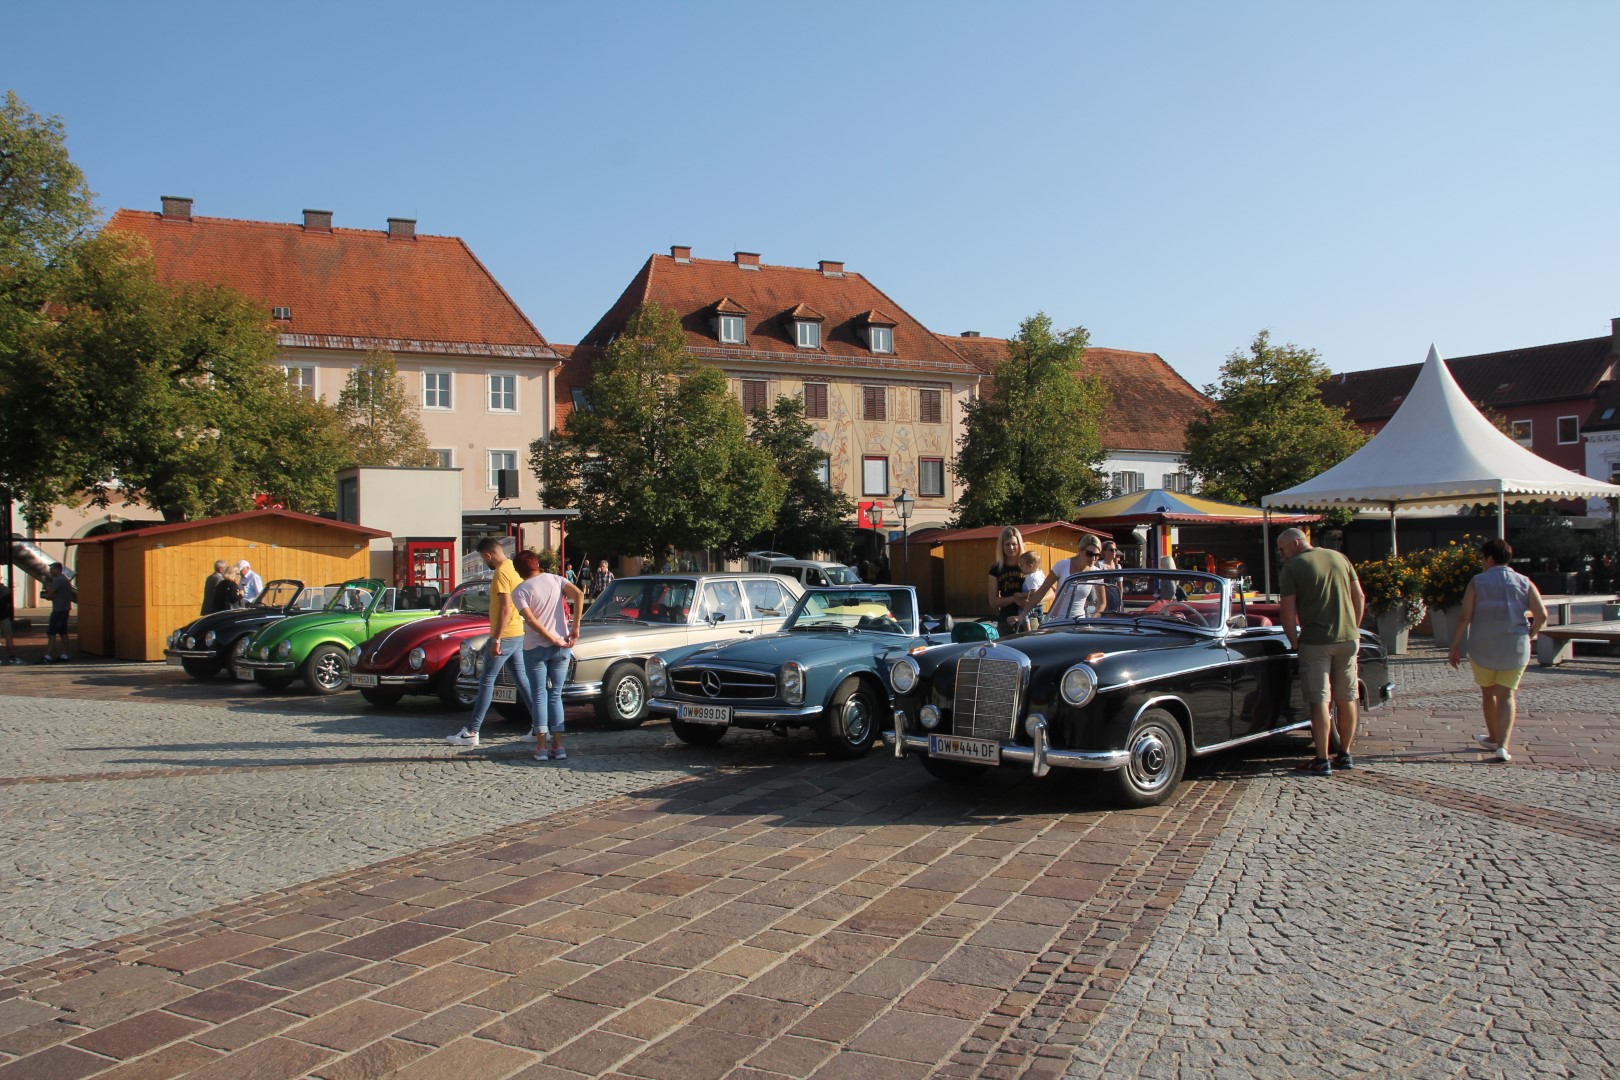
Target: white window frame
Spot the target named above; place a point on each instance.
(448, 390)
(807, 333)
(490, 457)
(489, 392)
(1560, 430)
(922, 478)
(1128, 482)
(880, 339)
(301, 378)
(824, 471)
(868, 462)
(1528, 435)
(1179, 482)
(447, 456)
(733, 330)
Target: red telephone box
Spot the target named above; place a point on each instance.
(425, 568)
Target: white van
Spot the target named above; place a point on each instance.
(808, 572)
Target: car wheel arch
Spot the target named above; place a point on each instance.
(1173, 705)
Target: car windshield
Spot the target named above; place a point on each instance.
(350, 596)
(469, 599)
(654, 600)
(879, 610)
(841, 575)
(277, 594)
(1179, 596)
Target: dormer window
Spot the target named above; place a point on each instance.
(878, 331)
(281, 314)
(805, 322)
(728, 320)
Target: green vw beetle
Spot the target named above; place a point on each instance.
(315, 647)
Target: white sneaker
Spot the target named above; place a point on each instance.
(530, 737)
(1485, 741)
(463, 738)
(1502, 755)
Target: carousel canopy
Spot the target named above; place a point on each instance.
(1155, 506)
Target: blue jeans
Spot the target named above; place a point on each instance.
(548, 671)
(511, 649)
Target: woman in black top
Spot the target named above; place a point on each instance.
(1007, 580)
(228, 593)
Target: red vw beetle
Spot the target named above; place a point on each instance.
(422, 657)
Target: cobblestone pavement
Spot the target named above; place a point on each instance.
(206, 880)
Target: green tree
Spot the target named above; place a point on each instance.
(45, 211)
(167, 396)
(1033, 444)
(382, 424)
(1268, 428)
(660, 455)
(813, 516)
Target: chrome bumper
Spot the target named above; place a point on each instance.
(754, 716)
(400, 680)
(1041, 758)
(269, 667)
(191, 654)
(573, 693)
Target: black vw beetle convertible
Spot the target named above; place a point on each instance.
(1133, 672)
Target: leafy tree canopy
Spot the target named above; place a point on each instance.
(1033, 444)
(45, 206)
(381, 421)
(660, 454)
(1268, 428)
(167, 396)
(813, 516)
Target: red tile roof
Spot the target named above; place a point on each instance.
(347, 288)
(1149, 403)
(1571, 369)
(768, 293)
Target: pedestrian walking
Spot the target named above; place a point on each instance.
(252, 583)
(211, 585)
(1322, 605)
(8, 611)
(603, 580)
(1502, 612)
(59, 591)
(505, 641)
(550, 606)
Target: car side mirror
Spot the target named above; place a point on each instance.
(717, 618)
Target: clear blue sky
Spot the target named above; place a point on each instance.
(1362, 179)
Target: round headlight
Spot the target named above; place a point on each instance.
(793, 682)
(657, 676)
(904, 675)
(284, 650)
(191, 642)
(1079, 685)
(263, 651)
(417, 657)
(354, 656)
(209, 639)
(929, 717)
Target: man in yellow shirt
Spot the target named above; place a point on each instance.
(505, 641)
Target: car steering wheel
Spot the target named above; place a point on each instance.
(1184, 612)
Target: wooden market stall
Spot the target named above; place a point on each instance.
(136, 587)
(954, 564)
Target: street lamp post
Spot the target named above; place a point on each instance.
(902, 505)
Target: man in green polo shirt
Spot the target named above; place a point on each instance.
(1322, 604)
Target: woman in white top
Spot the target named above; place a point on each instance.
(1502, 612)
(549, 632)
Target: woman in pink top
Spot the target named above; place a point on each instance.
(549, 631)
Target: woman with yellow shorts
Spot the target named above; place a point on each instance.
(1501, 614)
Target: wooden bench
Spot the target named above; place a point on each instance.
(1554, 643)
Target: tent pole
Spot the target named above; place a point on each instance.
(1265, 543)
(1501, 516)
(1394, 547)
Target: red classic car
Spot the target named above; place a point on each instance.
(422, 657)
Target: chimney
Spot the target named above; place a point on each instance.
(176, 208)
(746, 260)
(681, 253)
(317, 221)
(402, 228)
(969, 333)
(831, 269)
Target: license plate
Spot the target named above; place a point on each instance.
(362, 680)
(704, 714)
(174, 661)
(244, 673)
(507, 694)
(984, 751)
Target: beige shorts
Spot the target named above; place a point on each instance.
(1484, 676)
(1328, 668)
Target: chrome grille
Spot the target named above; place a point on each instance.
(986, 705)
(733, 684)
